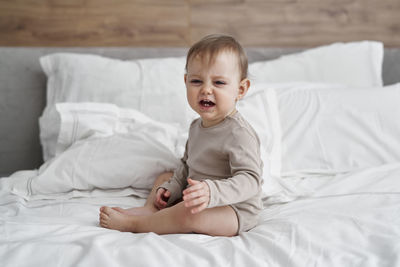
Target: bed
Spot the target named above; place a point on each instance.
(87, 127)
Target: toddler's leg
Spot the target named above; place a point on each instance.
(148, 207)
(219, 221)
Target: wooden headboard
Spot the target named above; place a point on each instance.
(160, 23)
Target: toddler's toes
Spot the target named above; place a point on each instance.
(104, 220)
(118, 209)
(109, 211)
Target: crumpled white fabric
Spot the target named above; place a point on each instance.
(101, 146)
(348, 220)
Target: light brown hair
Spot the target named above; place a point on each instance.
(211, 45)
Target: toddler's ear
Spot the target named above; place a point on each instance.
(243, 88)
(185, 78)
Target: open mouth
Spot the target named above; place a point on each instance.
(206, 103)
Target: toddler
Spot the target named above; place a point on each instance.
(217, 188)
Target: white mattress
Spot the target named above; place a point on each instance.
(349, 220)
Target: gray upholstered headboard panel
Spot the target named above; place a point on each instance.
(23, 96)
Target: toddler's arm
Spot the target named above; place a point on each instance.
(178, 180)
(243, 149)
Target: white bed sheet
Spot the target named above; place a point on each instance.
(348, 220)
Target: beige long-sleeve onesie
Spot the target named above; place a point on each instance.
(227, 157)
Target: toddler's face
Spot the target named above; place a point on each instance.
(213, 87)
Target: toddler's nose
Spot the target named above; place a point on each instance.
(206, 90)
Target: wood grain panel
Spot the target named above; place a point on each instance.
(93, 23)
(181, 22)
(300, 23)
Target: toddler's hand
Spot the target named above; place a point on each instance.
(162, 197)
(197, 195)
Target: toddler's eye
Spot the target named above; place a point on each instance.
(220, 82)
(195, 81)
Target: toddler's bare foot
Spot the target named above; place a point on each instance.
(138, 211)
(113, 219)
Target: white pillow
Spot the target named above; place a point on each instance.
(355, 64)
(83, 120)
(152, 86)
(102, 146)
(113, 162)
(335, 130)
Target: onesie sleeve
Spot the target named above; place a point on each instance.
(243, 150)
(178, 181)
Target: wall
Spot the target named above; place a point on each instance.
(289, 23)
